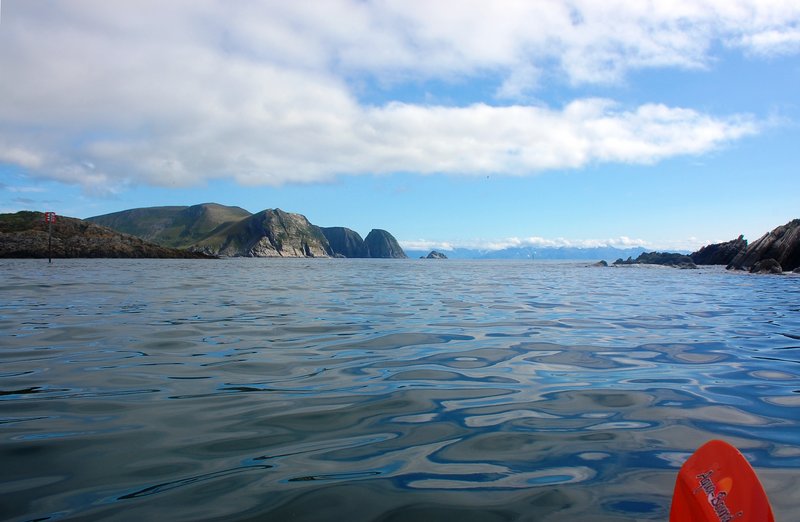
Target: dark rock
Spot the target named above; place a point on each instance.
(720, 253)
(782, 245)
(25, 235)
(767, 266)
(796, 270)
(345, 242)
(601, 263)
(659, 258)
(435, 255)
(269, 233)
(666, 259)
(380, 243)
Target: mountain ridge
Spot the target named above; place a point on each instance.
(217, 229)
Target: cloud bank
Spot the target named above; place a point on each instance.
(173, 94)
(524, 242)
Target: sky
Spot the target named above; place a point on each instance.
(664, 124)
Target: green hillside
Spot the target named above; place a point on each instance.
(177, 227)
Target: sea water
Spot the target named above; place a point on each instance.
(386, 390)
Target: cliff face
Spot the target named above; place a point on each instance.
(345, 242)
(782, 245)
(720, 253)
(270, 233)
(25, 235)
(380, 243)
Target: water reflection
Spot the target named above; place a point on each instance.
(385, 390)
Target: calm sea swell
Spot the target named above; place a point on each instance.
(386, 389)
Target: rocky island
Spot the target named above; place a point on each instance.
(659, 258)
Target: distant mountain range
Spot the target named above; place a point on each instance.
(540, 253)
(232, 231)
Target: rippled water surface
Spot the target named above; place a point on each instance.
(360, 390)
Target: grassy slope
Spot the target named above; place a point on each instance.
(177, 227)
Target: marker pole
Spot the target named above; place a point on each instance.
(49, 218)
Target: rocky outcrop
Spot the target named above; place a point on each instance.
(25, 235)
(782, 245)
(380, 243)
(767, 266)
(345, 242)
(659, 258)
(601, 264)
(720, 253)
(270, 233)
(435, 255)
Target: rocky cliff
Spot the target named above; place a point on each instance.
(25, 234)
(781, 244)
(345, 242)
(270, 233)
(720, 253)
(380, 243)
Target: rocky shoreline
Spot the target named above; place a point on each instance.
(776, 252)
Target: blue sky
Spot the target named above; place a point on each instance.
(480, 124)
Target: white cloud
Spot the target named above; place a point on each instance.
(20, 156)
(22, 189)
(424, 244)
(524, 242)
(176, 93)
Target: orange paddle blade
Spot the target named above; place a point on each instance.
(717, 484)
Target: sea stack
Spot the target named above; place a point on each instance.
(380, 243)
